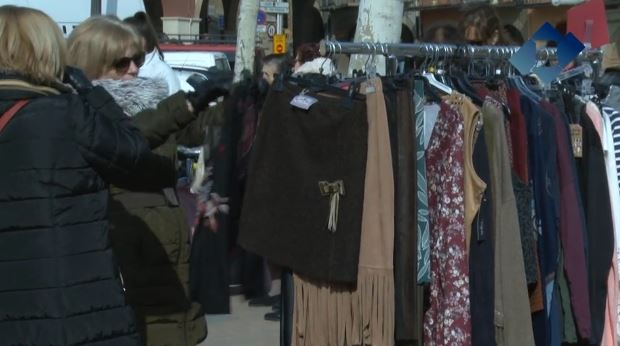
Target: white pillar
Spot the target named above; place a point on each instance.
(377, 21)
(246, 37)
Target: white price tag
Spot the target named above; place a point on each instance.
(303, 101)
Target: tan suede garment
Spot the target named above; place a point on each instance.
(335, 315)
(474, 186)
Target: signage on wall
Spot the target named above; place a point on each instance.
(274, 7)
(261, 19)
(271, 30)
(279, 44)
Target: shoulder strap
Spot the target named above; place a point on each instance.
(11, 112)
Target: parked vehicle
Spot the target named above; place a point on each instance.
(197, 65)
(211, 44)
(228, 47)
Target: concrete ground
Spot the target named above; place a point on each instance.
(245, 326)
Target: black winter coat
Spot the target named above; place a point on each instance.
(59, 282)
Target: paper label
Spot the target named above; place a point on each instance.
(576, 135)
(303, 101)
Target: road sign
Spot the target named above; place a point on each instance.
(274, 7)
(261, 28)
(271, 30)
(279, 44)
(262, 17)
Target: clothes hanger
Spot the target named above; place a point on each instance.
(526, 90)
(518, 82)
(314, 84)
(510, 80)
(430, 93)
(366, 74)
(430, 77)
(440, 72)
(391, 65)
(461, 81)
(495, 72)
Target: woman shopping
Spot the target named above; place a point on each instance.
(149, 231)
(59, 151)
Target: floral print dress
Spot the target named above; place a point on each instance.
(448, 320)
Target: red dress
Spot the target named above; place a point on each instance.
(448, 320)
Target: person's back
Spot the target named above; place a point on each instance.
(60, 284)
(54, 251)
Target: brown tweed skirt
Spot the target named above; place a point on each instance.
(307, 174)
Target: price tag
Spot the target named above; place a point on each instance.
(576, 135)
(303, 101)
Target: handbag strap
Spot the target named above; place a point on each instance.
(11, 112)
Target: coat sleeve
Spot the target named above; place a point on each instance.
(194, 134)
(170, 116)
(114, 147)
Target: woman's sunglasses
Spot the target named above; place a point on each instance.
(122, 65)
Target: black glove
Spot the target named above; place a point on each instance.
(205, 93)
(77, 79)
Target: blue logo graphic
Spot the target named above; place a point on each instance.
(568, 48)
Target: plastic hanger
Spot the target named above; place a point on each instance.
(460, 78)
(429, 91)
(524, 89)
(433, 81)
(584, 68)
(464, 86)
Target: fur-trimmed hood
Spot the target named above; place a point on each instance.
(135, 95)
(324, 66)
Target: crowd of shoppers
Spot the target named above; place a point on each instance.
(65, 136)
(94, 245)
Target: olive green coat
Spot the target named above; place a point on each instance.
(149, 231)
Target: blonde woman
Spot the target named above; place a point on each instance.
(149, 230)
(59, 150)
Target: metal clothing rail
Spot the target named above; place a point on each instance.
(427, 49)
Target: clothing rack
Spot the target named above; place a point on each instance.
(328, 48)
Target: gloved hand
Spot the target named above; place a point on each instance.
(205, 93)
(77, 79)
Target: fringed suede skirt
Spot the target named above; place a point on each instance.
(329, 314)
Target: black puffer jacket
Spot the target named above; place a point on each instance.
(59, 282)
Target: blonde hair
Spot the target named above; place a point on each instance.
(97, 43)
(31, 44)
